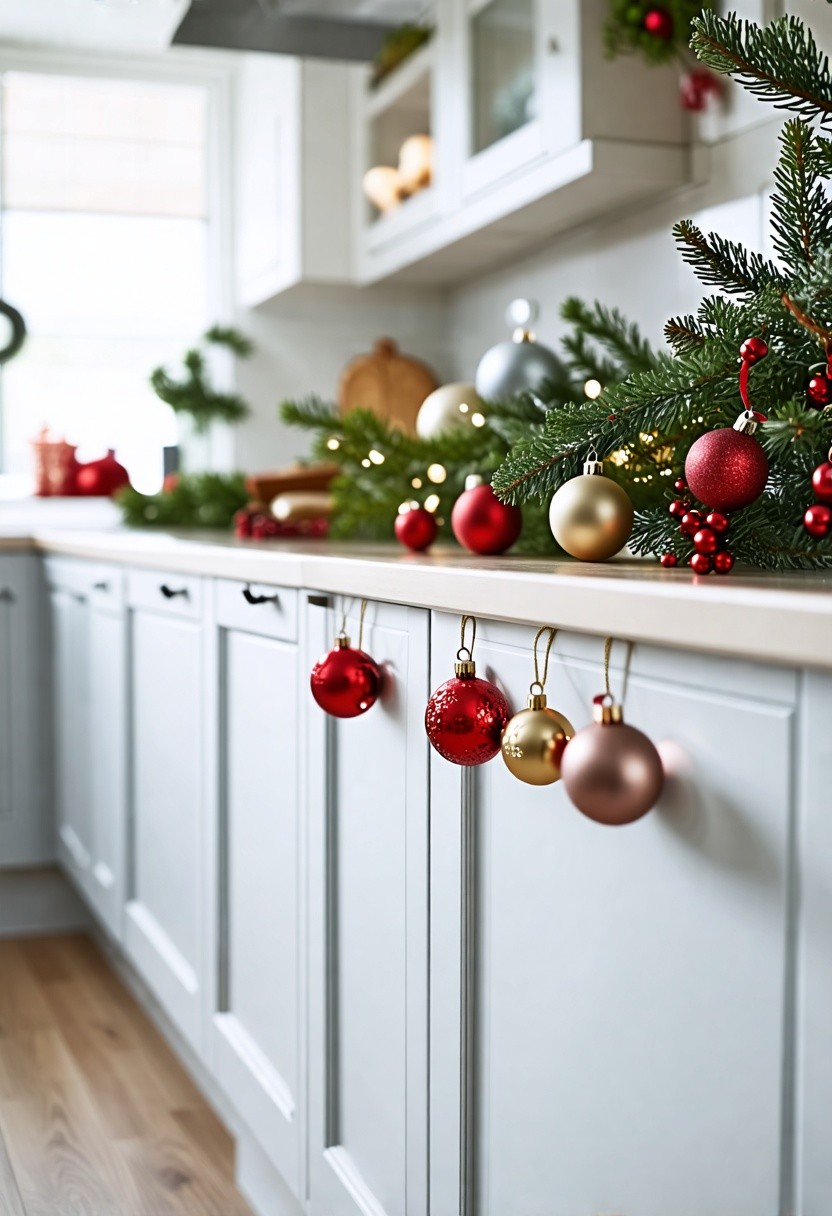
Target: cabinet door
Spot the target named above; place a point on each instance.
(26, 836)
(368, 825)
(256, 1041)
(73, 758)
(164, 924)
(608, 1004)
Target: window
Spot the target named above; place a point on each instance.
(105, 252)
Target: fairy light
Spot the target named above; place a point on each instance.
(365, 462)
(477, 419)
(464, 407)
(333, 444)
(437, 473)
(416, 483)
(432, 502)
(593, 389)
(376, 457)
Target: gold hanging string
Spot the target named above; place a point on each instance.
(342, 632)
(463, 625)
(607, 652)
(538, 681)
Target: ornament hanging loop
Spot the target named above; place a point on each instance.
(464, 665)
(342, 638)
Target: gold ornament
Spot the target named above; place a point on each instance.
(591, 516)
(535, 738)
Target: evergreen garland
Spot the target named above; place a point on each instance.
(693, 388)
(625, 32)
(193, 500)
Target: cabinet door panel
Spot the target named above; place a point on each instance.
(257, 1025)
(107, 722)
(70, 640)
(368, 943)
(164, 931)
(624, 987)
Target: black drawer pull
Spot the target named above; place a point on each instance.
(101, 586)
(251, 598)
(171, 593)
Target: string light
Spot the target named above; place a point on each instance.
(365, 462)
(376, 457)
(593, 389)
(416, 483)
(477, 420)
(333, 444)
(432, 502)
(463, 407)
(437, 473)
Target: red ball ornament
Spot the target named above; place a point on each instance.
(102, 477)
(416, 528)
(691, 522)
(818, 520)
(701, 563)
(658, 22)
(466, 716)
(753, 350)
(669, 560)
(345, 682)
(822, 481)
(678, 508)
(723, 562)
(705, 541)
(483, 524)
(718, 522)
(680, 484)
(819, 390)
(727, 469)
(612, 772)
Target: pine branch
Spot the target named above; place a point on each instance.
(619, 337)
(684, 334)
(233, 339)
(780, 62)
(718, 262)
(801, 216)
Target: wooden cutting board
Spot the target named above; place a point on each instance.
(387, 382)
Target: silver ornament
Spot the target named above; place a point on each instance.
(519, 365)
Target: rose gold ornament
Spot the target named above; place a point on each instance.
(612, 772)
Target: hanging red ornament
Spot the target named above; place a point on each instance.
(346, 682)
(415, 528)
(818, 520)
(669, 560)
(612, 772)
(658, 22)
(481, 523)
(723, 562)
(822, 481)
(819, 390)
(466, 716)
(102, 477)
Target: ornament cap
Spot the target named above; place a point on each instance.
(606, 711)
(746, 424)
(537, 699)
(464, 665)
(593, 468)
(523, 335)
(342, 642)
(472, 481)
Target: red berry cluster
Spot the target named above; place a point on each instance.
(707, 535)
(818, 519)
(819, 389)
(252, 523)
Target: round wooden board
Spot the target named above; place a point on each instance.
(390, 384)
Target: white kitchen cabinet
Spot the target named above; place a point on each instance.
(367, 805)
(535, 131)
(258, 1033)
(291, 181)
(26, 830)
(165, 914)
(89, 683)
(611, 1007)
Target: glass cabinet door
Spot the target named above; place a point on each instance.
(503, 70)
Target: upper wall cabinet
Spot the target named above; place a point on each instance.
(291, 140)
(533, 130)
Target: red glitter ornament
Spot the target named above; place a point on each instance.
(669, 560)
(723, 562)
(822, 481)
(818, 520)
(466, 716)
(483, 524)
(819, 390)
(727, 469)
(346, 682)
(701, 563)
(705, 541)
(658, 22)
(416, 528)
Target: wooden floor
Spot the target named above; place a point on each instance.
(97, 1117)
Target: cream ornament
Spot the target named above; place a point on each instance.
(591, 516)
(451, 405)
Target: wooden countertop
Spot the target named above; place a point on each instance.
(781, 618)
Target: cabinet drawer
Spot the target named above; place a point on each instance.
(101, 583)
(257, 608)
(166, 593)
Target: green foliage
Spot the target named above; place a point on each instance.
(194, 394)
(196, 500)
(600, 345)
(624, 32)
(664, 408)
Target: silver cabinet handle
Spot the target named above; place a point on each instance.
(171, 593)
(250, 597)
